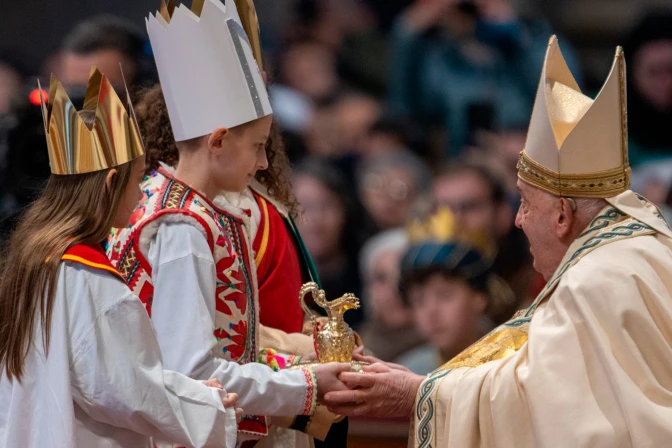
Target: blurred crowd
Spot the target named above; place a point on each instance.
(395, 114)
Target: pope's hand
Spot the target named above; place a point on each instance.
(380, 392)
(327, 376)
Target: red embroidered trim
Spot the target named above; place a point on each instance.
(202, 197)
(311, 392)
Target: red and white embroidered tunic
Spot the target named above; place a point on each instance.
(190, 263)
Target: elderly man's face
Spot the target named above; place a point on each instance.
(538, 217)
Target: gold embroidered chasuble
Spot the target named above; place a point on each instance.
(588, 364)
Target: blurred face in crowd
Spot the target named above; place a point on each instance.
(448, 312)
(75, 68)
(342, 128)
(323, 217)
(388, 195)
(311, 69)
(354, 117)
(469, 198)
(322, 133)
(382, 287)
(10, 82)
(653, 73)
(381, 142)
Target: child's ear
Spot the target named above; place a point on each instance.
(109, 177)
(216, 139)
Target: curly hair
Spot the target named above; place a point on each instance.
(160, 146)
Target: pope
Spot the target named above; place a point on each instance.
(589, 363)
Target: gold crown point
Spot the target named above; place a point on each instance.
(197, 7)
(76, 147)
(167, 10)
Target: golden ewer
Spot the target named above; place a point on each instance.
(335, 340)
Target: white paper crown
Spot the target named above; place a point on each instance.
(209, 76)
(577, 146)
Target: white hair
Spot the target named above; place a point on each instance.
(588, 208)
(394, 240)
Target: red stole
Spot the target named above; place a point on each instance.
(278, 271)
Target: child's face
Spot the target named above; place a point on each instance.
(242, 154)
(447, 312)
(132, 194)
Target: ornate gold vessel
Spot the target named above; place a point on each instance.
(335, 340)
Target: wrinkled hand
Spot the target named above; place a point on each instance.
(328, 379)
(380, 392)
(231, 400)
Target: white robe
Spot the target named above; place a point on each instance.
(592, 367)
(183, 312)
(102, 383)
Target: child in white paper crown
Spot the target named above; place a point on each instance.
(188, 254)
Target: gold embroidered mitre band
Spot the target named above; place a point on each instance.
(576, 146)
(77, 148)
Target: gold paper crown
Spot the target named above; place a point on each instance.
(74, 147)
(442, 227)
(576, 146)
(248, 17)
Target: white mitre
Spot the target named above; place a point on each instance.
(208, 73)
(576, 146)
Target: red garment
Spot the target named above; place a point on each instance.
(91, 256)
(278, 271)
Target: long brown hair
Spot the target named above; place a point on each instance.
(157, 135)
(71, 210)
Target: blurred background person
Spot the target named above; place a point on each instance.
(389, 331)
(649, 52)
(328, 222)
(389, 184)
(479, 202)
(105, 41)
(11, 78)
(466, 65)
(448, 282)
(650, 106)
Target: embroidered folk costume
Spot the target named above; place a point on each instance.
(189, 259)
(100, 382)
(588, 363)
